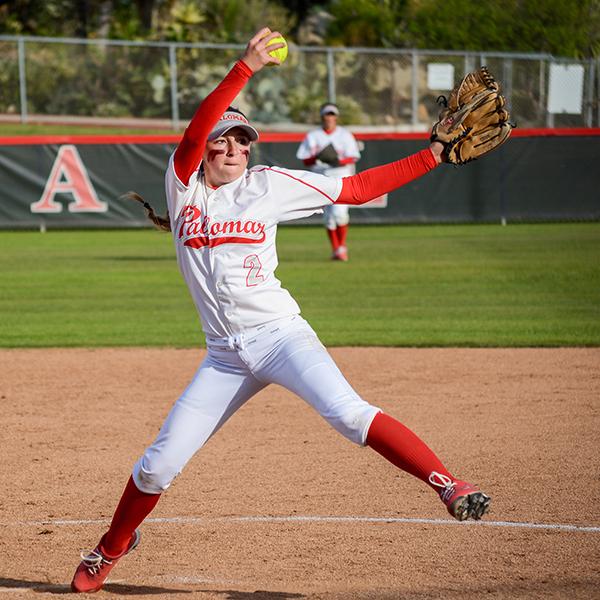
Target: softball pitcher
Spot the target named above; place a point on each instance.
(223, 217)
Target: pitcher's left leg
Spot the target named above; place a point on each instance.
(299, 362)
(407, 451)
(303, 365)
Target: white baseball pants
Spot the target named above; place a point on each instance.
(286, 352)
(336, 215)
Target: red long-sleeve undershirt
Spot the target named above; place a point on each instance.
(349, 160)
(356, 189)
(369, 184)
(190, 151)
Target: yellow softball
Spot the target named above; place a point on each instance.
(280, 53)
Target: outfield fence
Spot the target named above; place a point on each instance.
(160, 84)
(77, 182)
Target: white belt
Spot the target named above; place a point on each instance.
(239, 341)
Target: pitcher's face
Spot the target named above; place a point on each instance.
(226, 157)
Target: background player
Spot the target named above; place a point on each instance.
(338, 163)
(224, 219)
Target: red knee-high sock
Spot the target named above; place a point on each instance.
(333, 238)
(403, 448)
(133, 508)
(342, 232)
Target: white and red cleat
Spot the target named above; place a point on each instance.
(463, 500)
(341, 254)
(94, 568)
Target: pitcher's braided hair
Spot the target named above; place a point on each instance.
(162, 223)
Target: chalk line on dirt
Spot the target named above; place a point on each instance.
(207, 521)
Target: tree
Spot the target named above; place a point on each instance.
(366, 22)
(145, 9)
(559, 27)
(568, 28)
(301, 10)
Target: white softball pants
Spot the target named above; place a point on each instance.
(286, 352)
(335, 215)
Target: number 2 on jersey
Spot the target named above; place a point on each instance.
(253, 264)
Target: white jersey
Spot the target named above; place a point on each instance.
(225, 241)
(341, 139)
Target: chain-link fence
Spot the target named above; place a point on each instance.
(377, 89)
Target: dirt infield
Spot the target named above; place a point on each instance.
(279, 506)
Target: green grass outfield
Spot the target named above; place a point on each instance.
(16, 129)
(447, 285)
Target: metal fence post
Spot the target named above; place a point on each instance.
(22, 80)
(507, 83)
(589, 110)
(549, 115)
(415, 89)
(174, 91)
(542, 78)
(469, 64)
(598, 91)
(330, 76)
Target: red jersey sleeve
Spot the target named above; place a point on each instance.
(363, 187)
(190, 150)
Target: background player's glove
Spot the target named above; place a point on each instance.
(474, 120)
(329, 156)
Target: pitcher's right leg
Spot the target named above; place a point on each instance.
(220, 386)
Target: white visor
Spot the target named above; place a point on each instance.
(330, 109)
(228, 121)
